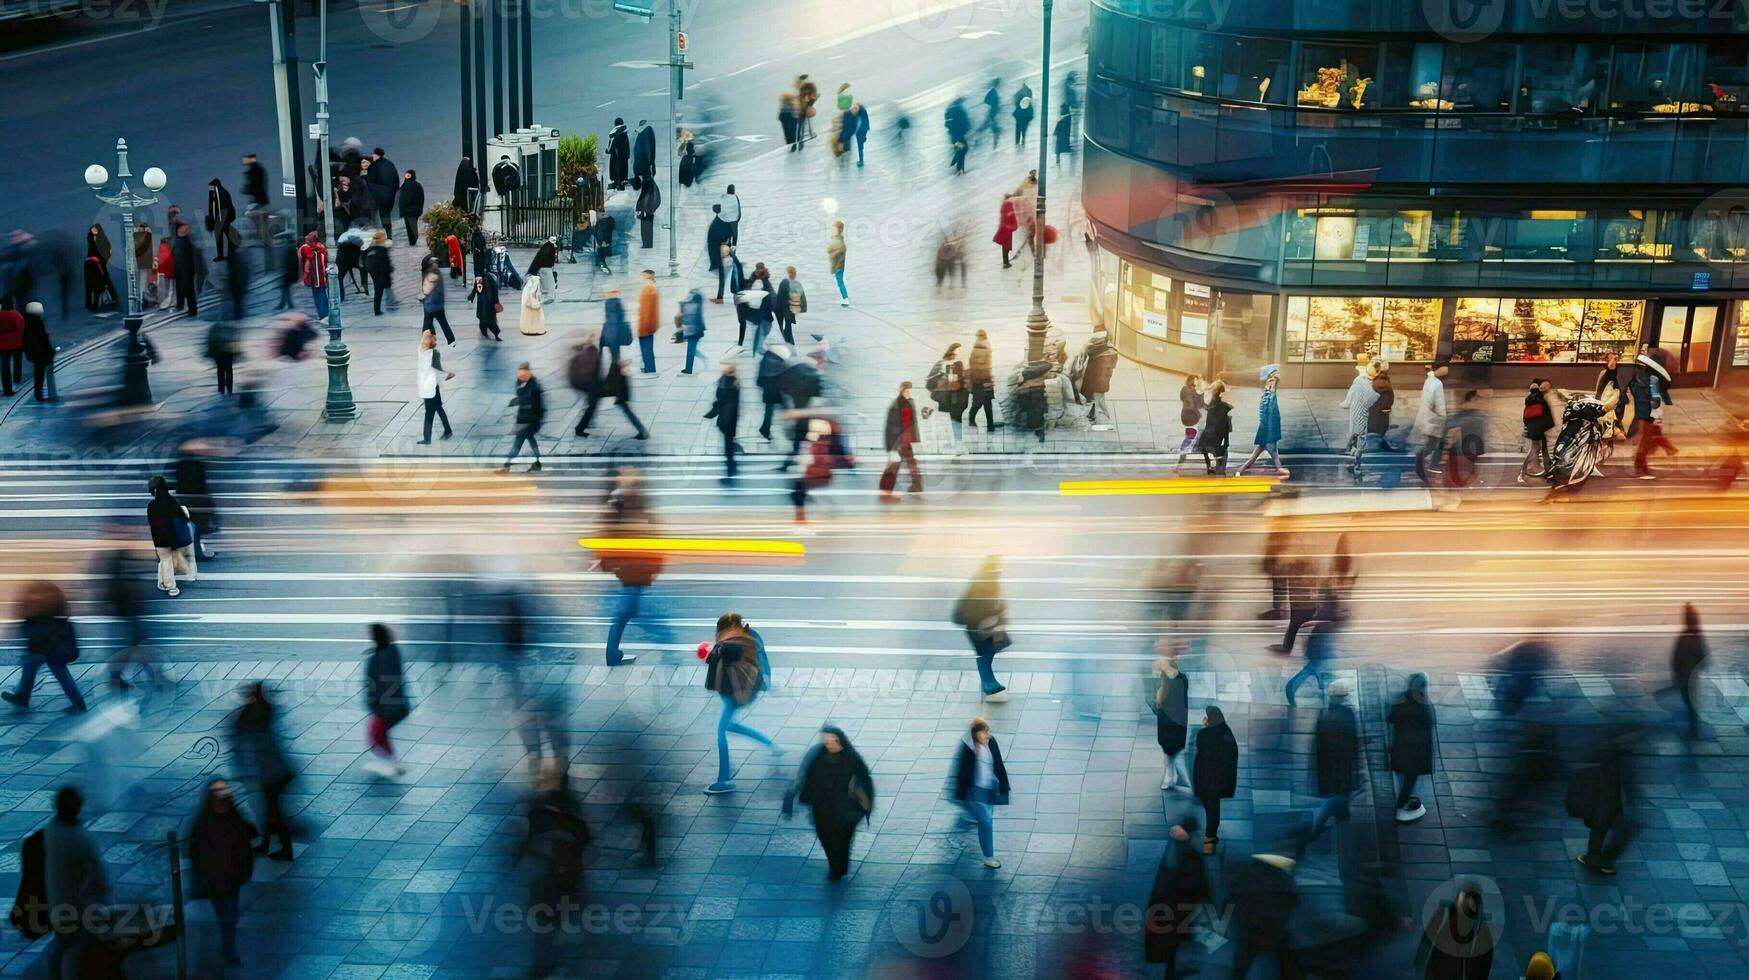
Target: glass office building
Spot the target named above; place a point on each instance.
(1303, 181)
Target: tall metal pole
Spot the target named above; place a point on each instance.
(281, 21)
(525, 38)
(1037, 322)
(676, 79)
(339, 407)
(495, 14)
(477, 18)
(176, 911)
(465, 28)
(135, 388)
(509, 25)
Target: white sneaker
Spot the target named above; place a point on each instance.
(1411, 813)
(996, 698)
(1168, 782)
(379, 767)
(628, 658)
(992, 863)
(1104, 427)
(843, 302)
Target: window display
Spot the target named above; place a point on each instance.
(1479, 77)
(1657, 78)
(1474, 325)
(1725, 82)
(1564, 79)
(1611, 326)
(1411, 329)
(1542, 329)
(1410, 76)
(1333, 77)
(1333, 328)
(1255, 69)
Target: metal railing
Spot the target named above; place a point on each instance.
(532, 222)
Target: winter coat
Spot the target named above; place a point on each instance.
(980, 367)
(412, 199)
(1378, 415)
(378, 264)
(1538, 427)
(11, 330)
(966, 768)
(1412, 736)
(615, 331)
(143, 252)
(51, 637)
(218, 844)
(382, 182)
(644, 154)
(649, 311)
(649, 201)
(1007, 222)
(1337, 744)
(385, 690)
(726, 405)
(1062, 133)
(485, 297)
(220, 212)
(946, 384)
(38, 348)
(901, 428)
(467, 178)
(313, 260)
(1430, 414)
(1215, 773)
(837, 785)
(259, 746)
(73, 873)
(1358, 401)
(1099, 362)
(1268, 419)
(1180, 884)
(714, 240)
(1650, 393)
(1599, 789)
(619, 155)
(168, 521)
(1171, 706)
(835, 253)
(255, 183)
(1190, 405)
(531, 408)
(1217, 427)
(770, 369)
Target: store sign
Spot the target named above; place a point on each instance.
(1703, 281)
(1740, 355)
(1362, 239)
(1193, 320)
(1154, 324)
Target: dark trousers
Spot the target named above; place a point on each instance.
(1599, 849)
(589, 415)
(224, 366)
(984, 650)
(691, 353)
(186, 299)
(438, 317)
(647, 350)
(647, 232)
(1406, 790)
(27, 680)
(908, 459)
(524, 433)
(12, 369)
(1685, 688)
(1299, 614)
(722, 280)
(273, 822)
(226, 909)
(1211, 808)
(1651, 437)
(728, 454)
(984, 399)
(39, 372)
(380, 286)
(835, 841)
(434, 409)
(489, 325)
(412, 223)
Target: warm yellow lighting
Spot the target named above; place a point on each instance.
(1148, 488)
(694, 546)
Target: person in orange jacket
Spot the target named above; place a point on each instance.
(649, 317)
(454, 245)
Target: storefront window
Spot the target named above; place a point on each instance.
(1725, 82)
(1193, 61)
(1145, 301)
(1474, 325)
(1719, 236)
(1634, 235)
(1479, 77)
(1411, 330)
(1163, 64)
(1255, 69)
(1542, 329)
(1410, 78)
(1337, 76)
(1611, 326)
(1655, 78)
(1193, 315)
(1564, 79)
(1332, 328)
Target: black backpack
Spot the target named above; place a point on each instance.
(584, 372)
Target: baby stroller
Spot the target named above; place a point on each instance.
(1582, 447)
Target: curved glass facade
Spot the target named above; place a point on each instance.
(1355, 155)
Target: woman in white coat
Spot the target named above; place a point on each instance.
(430, 374)
(533, 321)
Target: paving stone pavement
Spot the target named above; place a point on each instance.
(420, 877)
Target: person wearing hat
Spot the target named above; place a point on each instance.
(1336, 752)
(1268, 421)
(1651, 391)
(1541, 967)
(1358, 399)
(39, 350)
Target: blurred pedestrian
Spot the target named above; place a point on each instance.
(959, 133)
(826, 454)
(619, 154)
(737, 670)
(1458, 941)
(387, 698)
(554, 856)
(900, 436)
(950, 257)
(947, 386)
(1171, 704)
(691, 320)
(164, 269)
(789, 121)
(1268, 436)
(1651, 391)
(984, 616)
(467, 184)
(753, 306)
(254, 185)
(1180, 889)
(412, 205)
(1538, 420)
(11, 346)
(1261, 896)
(349, 260)
(143, 254)
(649, 202)
(649, 319)
(452, 252)
(1214, 773)
(39, 350)
(1092, 372)
(1192, 400)
(1686, 661)
(726, 409)
(1063, 137)
(859, 112)
(218, 847)
(196, 495)
(981, 375)
(615, 383)
(49, 641)
(1430, 417)
(628, 516)
(1007, 223)
(429, 376)
(1305, 597)
(172, 536)
(643, 158)
(531, 411)
(75, 880)
(221, 214)
(1412, 741)
(379, 268)
(1378, 414)
(604, 231)
(1336, 761)
(992, 112)
(259, 750)
(285, 257)
(487, 306)
(789, 303)
(807, 97)
(980, 784)
(835, 260)
(616, 333)
(1597, 796)
(313, 271)
(1358, 400)
(835, 783)
(431, 303)
(190, 268)
(1022, 112)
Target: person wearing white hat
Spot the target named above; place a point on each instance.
(1268, 421)
(39, 350)
(1651, 392)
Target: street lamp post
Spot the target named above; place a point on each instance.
(339, 407)
(1037, 322)
(135, 388)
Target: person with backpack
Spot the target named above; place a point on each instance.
(386, 698)
(1411, 723)
(736, 668)
(1538, 420)
(946, 384)
(980, 783)
(172, 536)
(835, 783)
(218, 846)
(313, 271)
(726, 409)
(984, 616)
(49, 641)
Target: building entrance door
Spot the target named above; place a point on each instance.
(1690, 333)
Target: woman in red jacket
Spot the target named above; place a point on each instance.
(1007, 222)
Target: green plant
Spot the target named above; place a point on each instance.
(577, 155)
(570, 150)
(591, 146)
(443, 220)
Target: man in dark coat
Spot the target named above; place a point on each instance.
(189, 265)
(899, 437)
(649, 201)
(1262, 896)
(644, 155)
(221, 213)
(386, 699)
(1598, 795)
(384, 181)
(531, 411)
(1093, 370)
(1214, 776)
(726, 409)
(1336, 751)
(39, 350)
(254, 180)
(619, 155)
(412, 206)
(1411, 751)
(467, 181)
(1181, 887)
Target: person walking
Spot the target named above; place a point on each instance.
(753, 306)
(899, 437)
(980, 784)
(49, 641)
(431, 303)
(11, 346)
(1215, 774)
(1358, 401)
(649, 202)
(1063, 136)
(1096, 362)
(983, 615)
(1192, 400)
(958, 123)
(789, 121)
(1597, 796)
(628, 515)
(1686, 661)
(615, 383)
(190, 269)
(649, 320)
(981, 376)
(946, 385)
(1268, 436)
(1336, 761)
(197, 497)
(379, 268)
(221, 214)
(691, 327)
(729, 211)
(313, 272)
(412, 194)
(834, 782)
(1171, 704)
(531, 411)
(992, 110)
(1651, 391)
(429, 375)
(1430, 425)
(1411, 724)
(789, 303)
(259, 750)
(1180, 888)
(487, 306)
(738, 671)
(1460, 941)
(39, 350)
(285, 254)
(859, 113)
(1217, 430)
(1022, 112)
(1613, 384)
(835, 260)
(619, 154)
(1538, 420)
(387, 699)
(726, 410)
(1007, 223)
(73, 879)
(172, 536)
(218, 847)
(616, 333)
(1378, 415)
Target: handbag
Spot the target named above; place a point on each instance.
(497, 307)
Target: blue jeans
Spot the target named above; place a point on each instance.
(985, 648)
(1311, 669)
(727, 724)
(226, 909)
(691, 352)
(647, 348)
(630, 596)
(27, 681)
(979, 805)
(320, 295)
(760, 332)
(838, 277)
